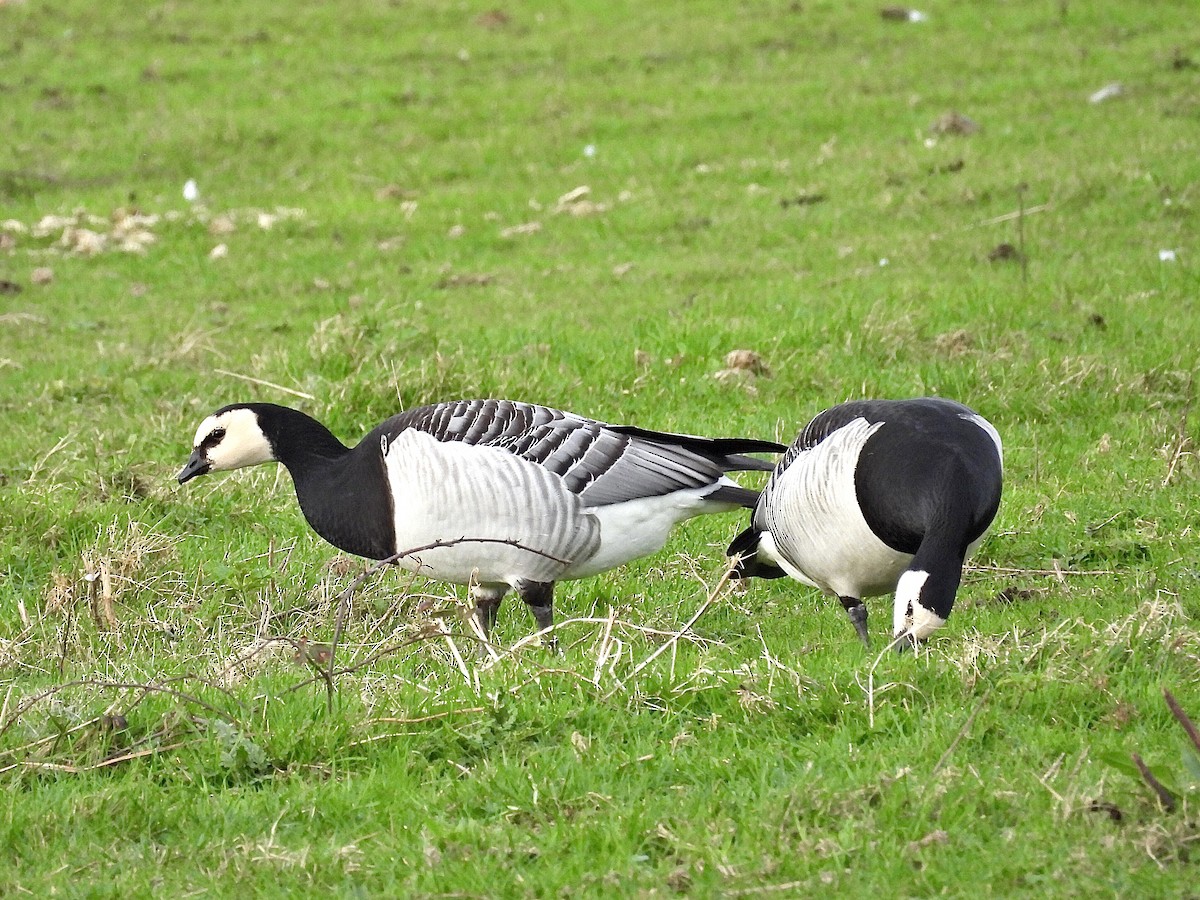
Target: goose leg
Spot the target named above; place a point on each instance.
(857, 611)
(539, 595)
(487, 599)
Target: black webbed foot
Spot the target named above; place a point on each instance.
(857, 611)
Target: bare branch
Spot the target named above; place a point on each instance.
(347, 595)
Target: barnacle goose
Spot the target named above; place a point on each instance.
(524, 495)
(875, 496)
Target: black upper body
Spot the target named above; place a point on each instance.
(928, 463)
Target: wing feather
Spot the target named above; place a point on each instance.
(602, 464)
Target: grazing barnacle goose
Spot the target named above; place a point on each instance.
(875, 496)
(521, 495)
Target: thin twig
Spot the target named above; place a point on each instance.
(66, 636)
(871, 675)
(262, 383)
(966, 726)
(1165, 797)
(543, 670)
(1021, 254)
(1052, 573)
(432, 717)
(674, 638)
(41, 463)
(1181, 435)
(788, 886)
(1008, 217)
(105, 763)
(348, 594)
(458, 657)
(602, 650)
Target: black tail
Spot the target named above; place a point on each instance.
(745, 546)
(725, 452)
(727, 493)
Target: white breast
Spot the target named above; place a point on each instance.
(451, 491)
(817, 531)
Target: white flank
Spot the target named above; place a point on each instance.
(637, 528)
(816, 524)
(461, 492)
(770, 552)
(244, 443)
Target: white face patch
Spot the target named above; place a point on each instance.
(232, 440)
(908, 615)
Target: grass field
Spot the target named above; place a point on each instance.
(589, 205)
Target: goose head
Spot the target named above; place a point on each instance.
(921, 607)
(230, 438)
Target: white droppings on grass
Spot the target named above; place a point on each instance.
(218, 252)
(82, 240)
(1108, 92)
(903, 14)
(1167, 256)
(522, 229)
(191, 193)
(577, 202)
(589, 150)
(221, 225)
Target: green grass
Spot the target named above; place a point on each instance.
(173, 745)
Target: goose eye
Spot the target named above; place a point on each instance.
(214, 437)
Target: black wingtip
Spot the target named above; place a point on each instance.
(725, 452)
(727, 493)
(748, 565)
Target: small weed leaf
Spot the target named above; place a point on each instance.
(1118, 762)
(239, 756)
(1191, 763)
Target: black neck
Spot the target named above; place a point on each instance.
(941, 554)
(298, 440)
(343, 493)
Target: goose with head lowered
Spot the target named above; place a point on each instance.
(501, 495)
(876, 496)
